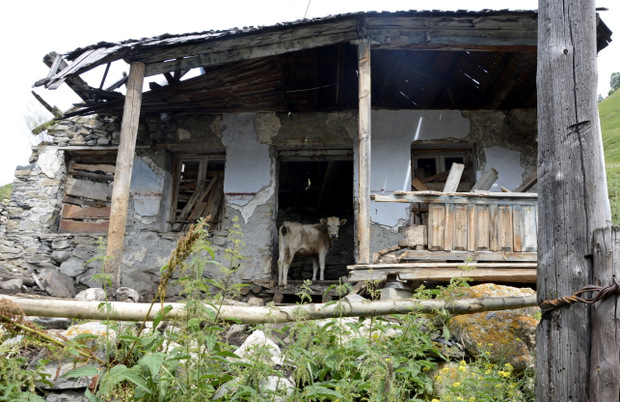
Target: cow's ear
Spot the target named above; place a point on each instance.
(343, 221)
(323, 221)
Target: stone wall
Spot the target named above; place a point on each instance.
(31, 242)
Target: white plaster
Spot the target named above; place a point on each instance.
(248, 179)
(183, 135)
(146, 189)
(508, 165)
(393, 132)
(50, 162)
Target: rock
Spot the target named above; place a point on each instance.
(126, 294)
(355, 298)
(56, 283)
(236, 334)
(255, 302)
(507, 336)
(91, 294)
(60, 256)
(259, 340)
(272, 383)
(56, 369)
(72, 267)
(50, 322)
(66, 396)
(12, 284)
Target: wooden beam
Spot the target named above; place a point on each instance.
(573, 195)
(528, 183)
(122, 175)
(486, 180)
(455, 255)
(363, 193)
(437, 197)
(454, 178)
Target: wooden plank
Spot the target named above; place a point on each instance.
(122, 173)
(530, 227)
(493, 228)
(472, 222)
(486, 198)
(508, 273)
(364, 133)
(98, 167)
(504, 225)
(77, 212)
(418, 185)
(528, 183)
(454, 177)
(436, 226)
(71, 226)
(434, 264)
(518, 228)
(88, 189)
(483, 228)
(82, 201)
(429, 255)
(435, 177)
(461, 225)
(448, 231)
(486, 180)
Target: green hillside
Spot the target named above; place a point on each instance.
(609, 111)
(5, 191)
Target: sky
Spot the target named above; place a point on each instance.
(33, 28)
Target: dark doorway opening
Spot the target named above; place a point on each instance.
(311, 189)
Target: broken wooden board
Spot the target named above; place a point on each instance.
(486, 180)
(76, 212)
(71, 226)
(88, 189)
(454, 178)
(528, 183)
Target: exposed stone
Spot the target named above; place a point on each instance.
(236, 334)
(126, 294)
(504, 336)
(255, 301)
(73, 267)
(60, 256)
(56, 283)
(12, 284)
(66, 396)
(91, 294)
(51, 322)
(259, 340)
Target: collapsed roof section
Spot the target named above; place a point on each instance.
(420, 60)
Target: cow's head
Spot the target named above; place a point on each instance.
(333, 224)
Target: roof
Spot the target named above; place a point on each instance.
(421, 60)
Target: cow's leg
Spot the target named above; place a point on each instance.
(315, 266)
(287, 258)
(322, 263)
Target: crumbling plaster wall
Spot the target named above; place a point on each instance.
(251, 142)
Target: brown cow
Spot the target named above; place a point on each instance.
(297, 240)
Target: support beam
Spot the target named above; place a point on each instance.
(122, 175)
(363, 193)
(573, 198)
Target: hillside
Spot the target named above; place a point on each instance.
(5, 191)
(609, 112)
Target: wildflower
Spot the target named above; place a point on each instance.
(387, 359)
(458, 398)
(425, 368)
(504, 374)
(508, 366)
(435, 400)
(472, 399)
(456, 384)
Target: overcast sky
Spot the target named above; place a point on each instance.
(33, 28)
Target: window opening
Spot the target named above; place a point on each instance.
(199, 192)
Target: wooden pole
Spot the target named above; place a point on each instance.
(273, 314)
(122, 173)
(572, 192)
(605, 349)
(363, 193)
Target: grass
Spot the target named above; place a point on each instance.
(609, 112)
(5, 191)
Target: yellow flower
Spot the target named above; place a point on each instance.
(456, 384)
(458, 398)
(472, 399)
(504, 374)
(387, 360)
(508, 366)
(435, 400)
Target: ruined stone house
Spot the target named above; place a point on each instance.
(270, 124)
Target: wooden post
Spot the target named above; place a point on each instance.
(572, 192)
(363, 193)
(605, 349)
(122, 173)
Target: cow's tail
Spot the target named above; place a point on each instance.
(284, 230)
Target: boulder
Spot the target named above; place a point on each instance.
(12, 284)
(126, 294)
(259, 340)
(507, 336)
(56, 283)
(91, 294)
